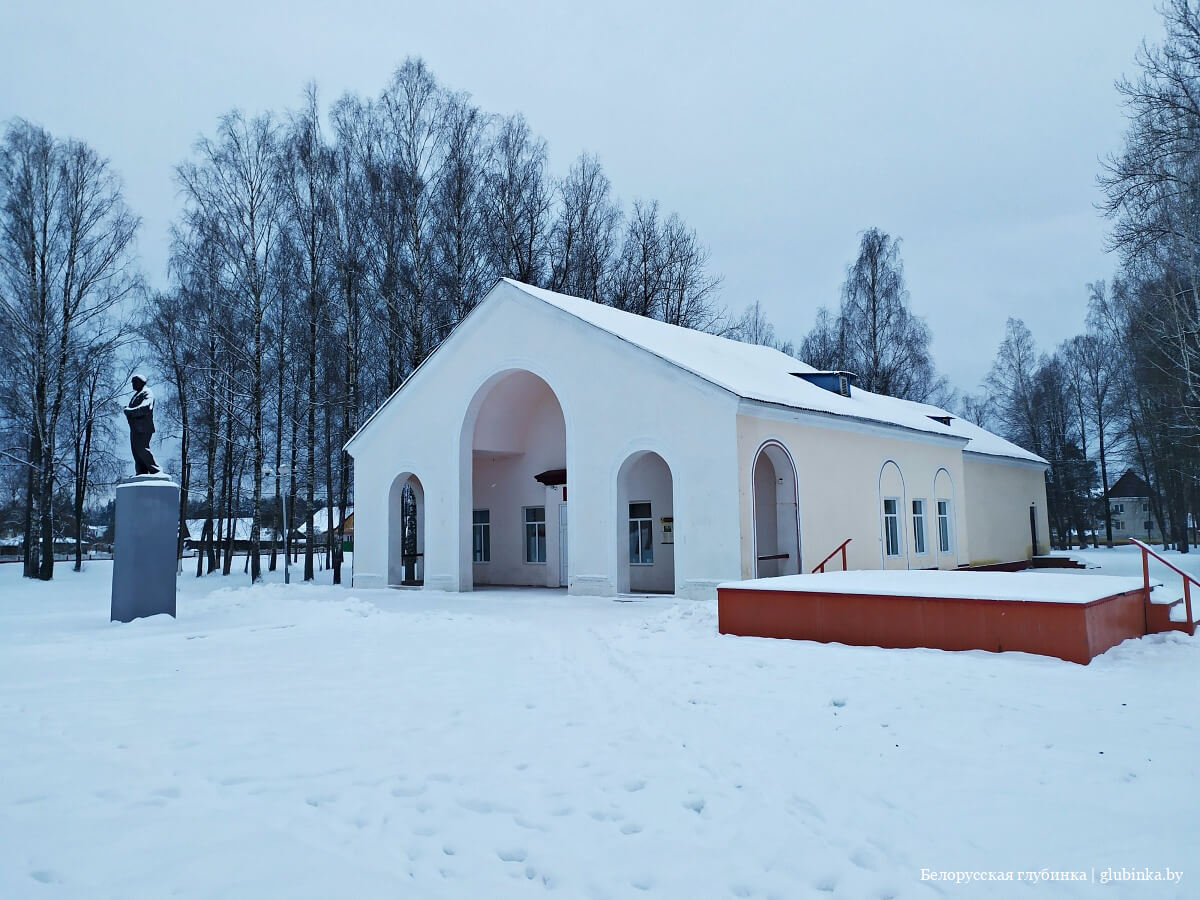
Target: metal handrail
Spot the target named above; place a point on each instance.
(841, 548)
(1188, 580)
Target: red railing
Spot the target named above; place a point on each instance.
(841, 549)
(1188, 580)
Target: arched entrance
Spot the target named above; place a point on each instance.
(406, 531)
(514, 477)
(776, 513)
(645, 525)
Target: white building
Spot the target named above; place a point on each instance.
(685, 460)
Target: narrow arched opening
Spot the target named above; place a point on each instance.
(406, 531)
(645, 519)
(776, 513)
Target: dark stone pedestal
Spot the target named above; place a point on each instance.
(144, 547)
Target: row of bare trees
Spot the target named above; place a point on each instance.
(1126, 392)
(67, 276)
(322, 255)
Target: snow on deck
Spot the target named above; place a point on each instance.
(313, 741)
(1033, 587)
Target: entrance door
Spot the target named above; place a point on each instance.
(562, 545)
(1033, 528)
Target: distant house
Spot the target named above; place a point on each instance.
(1129, 505)
(321, 520)
(241, 533)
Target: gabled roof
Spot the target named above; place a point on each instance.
(767, 375)
(752, 372)
(1129, 485)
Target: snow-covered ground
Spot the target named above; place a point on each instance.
(325, 742)
(1167, 586)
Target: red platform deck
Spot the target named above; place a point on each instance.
(1072, 617)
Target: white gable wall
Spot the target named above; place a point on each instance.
(616, 400)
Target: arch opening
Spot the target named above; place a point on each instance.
(645, 519)
(514, 485)
(406, 531)
(776, 513)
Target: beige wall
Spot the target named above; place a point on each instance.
(840, 470)
(998, 515)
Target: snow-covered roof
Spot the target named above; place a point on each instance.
(241, 529)
(767, 375)
(320, 518)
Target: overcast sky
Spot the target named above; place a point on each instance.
(779, 131)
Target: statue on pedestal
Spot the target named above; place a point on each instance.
(140, 413)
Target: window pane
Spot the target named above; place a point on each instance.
(889, 507)
(943, 522)
(535, 514)
(893, 539)
(639, 510)
(480, 516)
(647, 543)
(541, 543)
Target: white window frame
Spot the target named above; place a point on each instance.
(648, 521)
(896, 520)
(1118, 509)
(948, 545)
(481, 536)
(534, 524)
(920, 531)
(1118, 524)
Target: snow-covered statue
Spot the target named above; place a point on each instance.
(140, 413)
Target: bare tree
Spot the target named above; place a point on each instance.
(518, 202)
(234, 185)
(584, 237)
(66, 261)
(411, 117)
(461, 234)
(887, 346)
(1012, 385)
(307, 169)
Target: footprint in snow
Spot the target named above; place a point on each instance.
(45, 876)
(695, 804)
(864, 859)
(828, 884)
(634, 785)
(512, 854)
(630, 828)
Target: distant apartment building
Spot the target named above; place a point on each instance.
(1129, 505)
